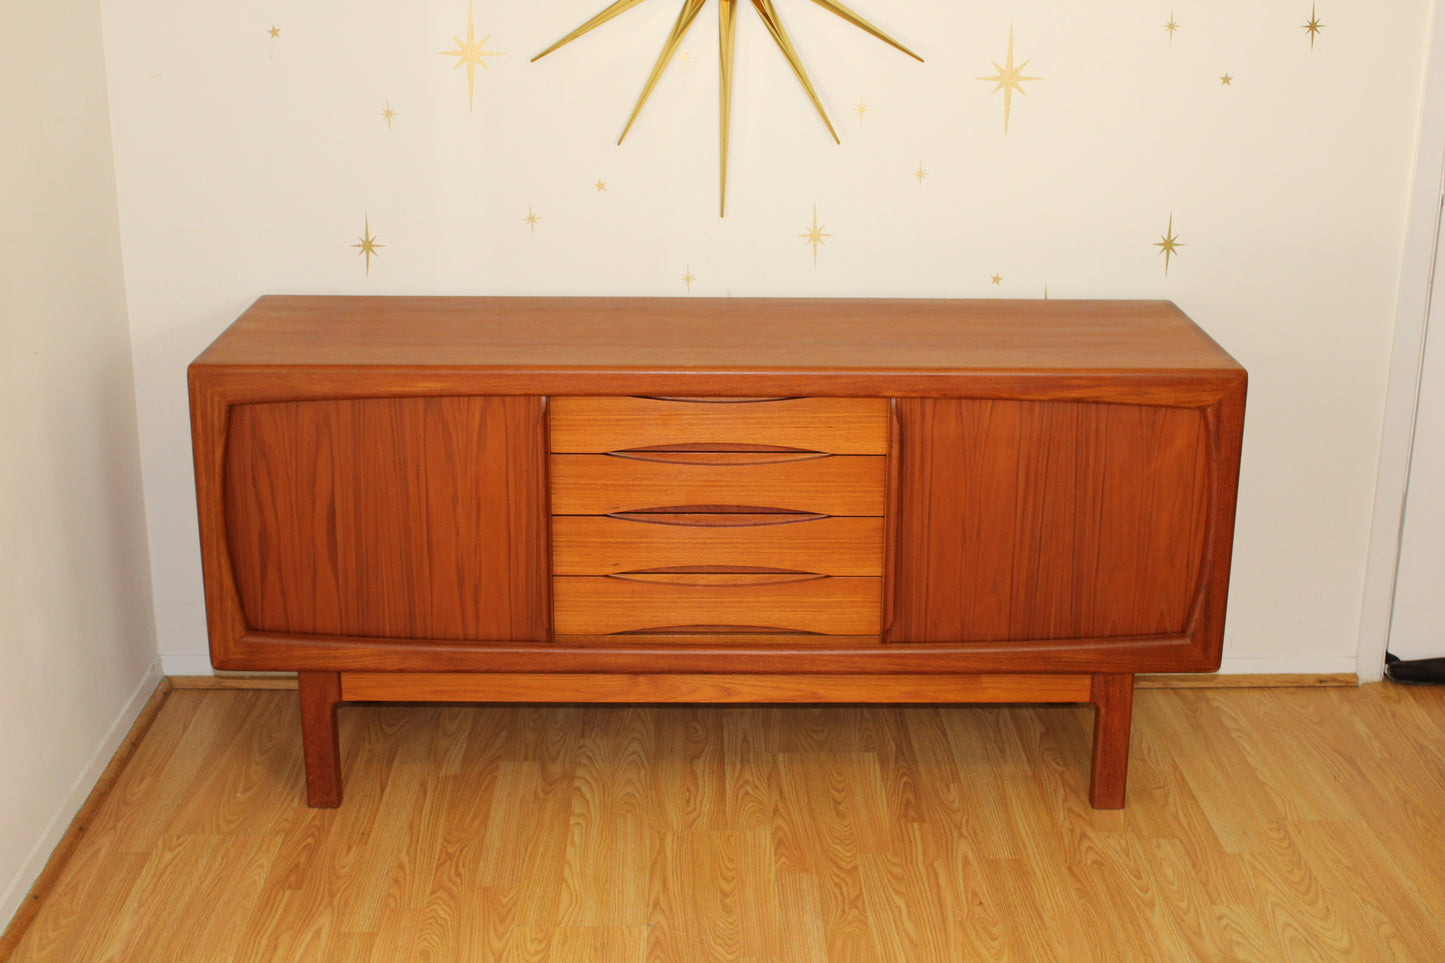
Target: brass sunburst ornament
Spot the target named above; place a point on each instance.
(727, 39)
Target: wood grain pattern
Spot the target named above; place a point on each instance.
(1028, 520)
(320, 693)
(605, 484)
(841, 426)
(599, 545)
(603, 687)
(1263, 825)
(1113, 697)
(1179, 680)
(825, 605)
(584, 342)
(390, 518)
(81, 823)
(1061, 500)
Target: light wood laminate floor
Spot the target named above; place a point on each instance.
(1262, 824)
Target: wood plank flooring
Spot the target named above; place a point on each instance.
(1262, 825)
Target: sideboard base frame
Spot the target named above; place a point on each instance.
(1111, 694)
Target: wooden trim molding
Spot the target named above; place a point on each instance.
(1171, 680)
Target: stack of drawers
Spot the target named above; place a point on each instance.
(718, 519)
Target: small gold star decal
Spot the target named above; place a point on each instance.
(1313, 26)
(920, 173)
(1226, 80)
(388, 113)
(470, 52)
(1009, 78)
(367, 244)
(860, 109)
(1046, 292)
(688, 277)
(601, 185)
(682, 58)
(814, 235)
(532, 218)
(1172, 25)
(995, 279)
(275, 33)
(1168, 243)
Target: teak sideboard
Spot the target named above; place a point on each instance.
(728, 500)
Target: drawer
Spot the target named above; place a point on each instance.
(844, 426)
(605, 605)
(817, 484)
(599, 545)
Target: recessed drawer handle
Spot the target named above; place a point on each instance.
(714, 630)
(715, 519)
(719, 459)
(723, 400)
(712, 580)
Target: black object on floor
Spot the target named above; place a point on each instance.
(1415, 671)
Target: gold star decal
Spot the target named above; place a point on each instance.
(995, 279)
(1172, 25)
(814, 235)
(601, 185)
(920, 173)
(682, 58)
(388, 114)
(727, 42)
(1009, 78)
(275, 33)
(532, 218)
(1226, 81)
(1046, 292)
(367, 244)
(1313, 26)
(1168, 243)
(860, 110)
(470, 52)
(688, 277)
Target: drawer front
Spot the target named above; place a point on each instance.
(606, 605)
(599, 545)
(824, 485)
(844, 426)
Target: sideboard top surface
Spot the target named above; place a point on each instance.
(719, 335)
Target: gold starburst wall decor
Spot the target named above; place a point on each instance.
(1009, 78)
(1168, 244)
(1313, 26)
(727, 41)
(366, 244)
(813, 235)
(470, 52)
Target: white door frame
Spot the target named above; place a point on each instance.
(1402, 393)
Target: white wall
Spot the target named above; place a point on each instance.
(248, 163)
(1417, 626)
(77, 638)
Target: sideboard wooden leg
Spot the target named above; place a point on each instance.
(1113, 697)
(320, 695)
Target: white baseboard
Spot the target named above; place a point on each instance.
(19, 885)
(186, 663)
(1274, 665)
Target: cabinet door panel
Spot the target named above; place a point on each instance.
(419, 518)
(1048, 520)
